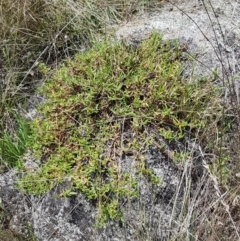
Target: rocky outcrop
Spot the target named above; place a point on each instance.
(212, 38)
(155, 214)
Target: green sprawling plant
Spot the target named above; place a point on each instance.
(98, 96)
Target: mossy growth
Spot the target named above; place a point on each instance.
(98, 97)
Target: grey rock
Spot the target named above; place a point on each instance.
(153, 214)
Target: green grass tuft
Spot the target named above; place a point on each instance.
(13, 147)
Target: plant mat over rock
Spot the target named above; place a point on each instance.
(99, 108)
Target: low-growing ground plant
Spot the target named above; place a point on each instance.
(99, 95)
